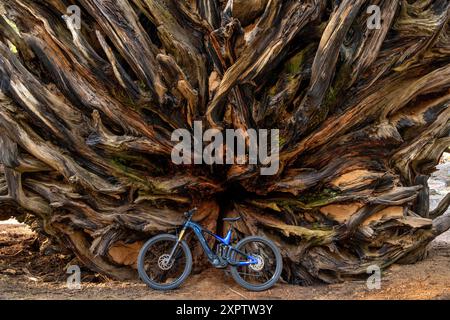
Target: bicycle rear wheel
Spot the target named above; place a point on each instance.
(154, 266)
(262, 275)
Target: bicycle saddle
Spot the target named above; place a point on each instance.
(232, 219)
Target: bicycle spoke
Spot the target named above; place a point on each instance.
(261, 272)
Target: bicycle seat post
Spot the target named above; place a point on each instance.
(231, 227)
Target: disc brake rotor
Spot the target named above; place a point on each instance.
(164, 263)
(259, 265)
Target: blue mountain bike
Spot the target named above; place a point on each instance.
(165, 261)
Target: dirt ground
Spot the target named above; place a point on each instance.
(27, 273)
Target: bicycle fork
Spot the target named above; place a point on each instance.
(180, 238)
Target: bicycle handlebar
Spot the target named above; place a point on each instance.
(189, 213)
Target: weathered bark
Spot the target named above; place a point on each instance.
(86, 117)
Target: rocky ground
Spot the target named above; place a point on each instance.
(28, 272)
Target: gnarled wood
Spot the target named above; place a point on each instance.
(86, 118)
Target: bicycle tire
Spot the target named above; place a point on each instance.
(141, 260)
(279, 265)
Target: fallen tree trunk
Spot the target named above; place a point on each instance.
(86, 117)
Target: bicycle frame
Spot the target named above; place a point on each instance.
(212, 256)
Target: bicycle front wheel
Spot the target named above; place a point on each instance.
(155, 268)
(263, 274)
